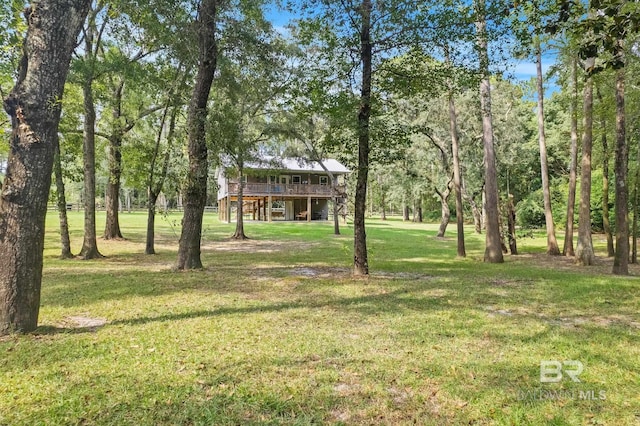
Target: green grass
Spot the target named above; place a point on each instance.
(276, 331)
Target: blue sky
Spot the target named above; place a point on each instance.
(522, 70)
(526, 70)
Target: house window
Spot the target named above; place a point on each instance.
(324, 180)
(295, 179)
(272, 179)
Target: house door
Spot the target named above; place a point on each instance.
(285, 180)
(289, 210)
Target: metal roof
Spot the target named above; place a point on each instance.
(298, 165)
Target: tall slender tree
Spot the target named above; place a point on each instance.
(112, 193)
(248, 95)
(155, 180)
(568, 249)
(552, 243)
(493, 247)
(354, 37)
(457, 178)
(606, 223)
(584, 249)
(621, 259)
(360, 256)
(65, 241)
(92, 35)
(122, 123)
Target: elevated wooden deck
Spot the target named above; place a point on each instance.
(283, 190)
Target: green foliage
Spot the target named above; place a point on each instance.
(417, 74)
(596, 201)
(13, 30)
(530, 211)
(255, 76)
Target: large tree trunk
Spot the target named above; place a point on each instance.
(360, 261)
(493, 241)
(35, 114)
(457, 179)
(621, 259)
(112, 196)
(65, 241)
(552, 243)
(195, 188)
(571, 199)
(584, 250)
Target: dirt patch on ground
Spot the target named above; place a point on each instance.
(82, 322)
(256, 246)
(328, 272)
(498, 282)
(604, 321)
(574, 321)
(319, 272)
(401, 276)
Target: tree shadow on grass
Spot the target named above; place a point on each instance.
(50, 330)
(388, 302)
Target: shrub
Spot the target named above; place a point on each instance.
(530, 211)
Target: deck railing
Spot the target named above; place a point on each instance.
(282, 189)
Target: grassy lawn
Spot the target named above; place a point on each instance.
(276, 331)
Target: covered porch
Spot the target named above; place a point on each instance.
(271, 207)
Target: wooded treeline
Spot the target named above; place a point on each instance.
(420, 99)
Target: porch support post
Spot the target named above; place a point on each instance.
(269, 209)
(259, 212)
(264, 208)
(309, 209)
